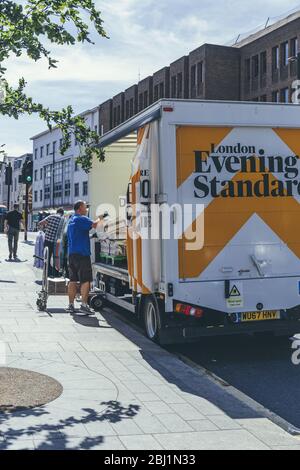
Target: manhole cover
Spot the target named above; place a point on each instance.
(21, 389)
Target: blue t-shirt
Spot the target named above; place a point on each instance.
(78, 235)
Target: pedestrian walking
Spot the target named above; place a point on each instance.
(79, 256)
(12, 222)
(51, 225)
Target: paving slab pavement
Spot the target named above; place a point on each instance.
(120, 391)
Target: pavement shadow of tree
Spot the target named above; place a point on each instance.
(57, 435)
(176, 372)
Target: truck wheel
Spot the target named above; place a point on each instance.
(96, 303)
(152, 319)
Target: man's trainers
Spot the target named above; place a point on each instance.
(71, 308)
(86, 309)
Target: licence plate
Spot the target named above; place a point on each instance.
(260, 316)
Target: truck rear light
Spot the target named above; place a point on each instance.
(189, 311)
(168, 109)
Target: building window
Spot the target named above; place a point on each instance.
(35, 175)
(96, 129)
(41, 195)
(248, 69)
(127, 109)
(76, 166)
(161, 90)
(41, 173)
(41, 152)
(76, 190)
(58, 182)
(173, 87)
(15, 184)
(179, 85)
(47, 182)
(131, 107)
(275, 58)
(141, 102)
(193, 76)
(35, 196)
(48, 149)
(200, 72)
(35, 153)
(263, 63)
(284, 95)
(85, 188)
(275, 96)
(255, 66)
(294, 47)
(67, 188)
(156, 93)
(145, 99)
(54, 146)
(284, 54)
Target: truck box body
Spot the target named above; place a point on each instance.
(226, 176)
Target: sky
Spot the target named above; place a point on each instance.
(144, 36)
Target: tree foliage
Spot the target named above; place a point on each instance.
(27, 27)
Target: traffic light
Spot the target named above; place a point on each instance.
(8, 175)
(27, 172)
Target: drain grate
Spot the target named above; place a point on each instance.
(23, 389)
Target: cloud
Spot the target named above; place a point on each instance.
(144, 36)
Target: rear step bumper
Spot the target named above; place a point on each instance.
(183, 334)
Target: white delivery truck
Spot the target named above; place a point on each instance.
(212, 221)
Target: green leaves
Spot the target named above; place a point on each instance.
(24, 29)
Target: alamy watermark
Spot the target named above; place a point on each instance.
(160, 221)
(296, 92)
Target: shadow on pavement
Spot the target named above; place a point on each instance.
(57, 434)
(29, 242)
(81, 319)
(189, 380)
(16, 261)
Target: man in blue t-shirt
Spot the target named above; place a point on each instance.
(79, 251)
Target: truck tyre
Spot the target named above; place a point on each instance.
(152, 320)
(96, 303)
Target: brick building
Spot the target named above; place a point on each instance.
(145, 93)
(256, 68)
(179, 78)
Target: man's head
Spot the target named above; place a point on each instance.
(80, 208)
(16, 207)
(60, 211)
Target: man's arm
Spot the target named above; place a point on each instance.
(43, 222)
(97, 221)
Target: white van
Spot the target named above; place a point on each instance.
(226, 178)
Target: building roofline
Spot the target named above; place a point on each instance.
(84, 113)
(267, 30)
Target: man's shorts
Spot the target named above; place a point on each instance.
(80, 269)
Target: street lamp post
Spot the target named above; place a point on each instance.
(53, 173)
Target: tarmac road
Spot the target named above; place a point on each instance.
(260, 367)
